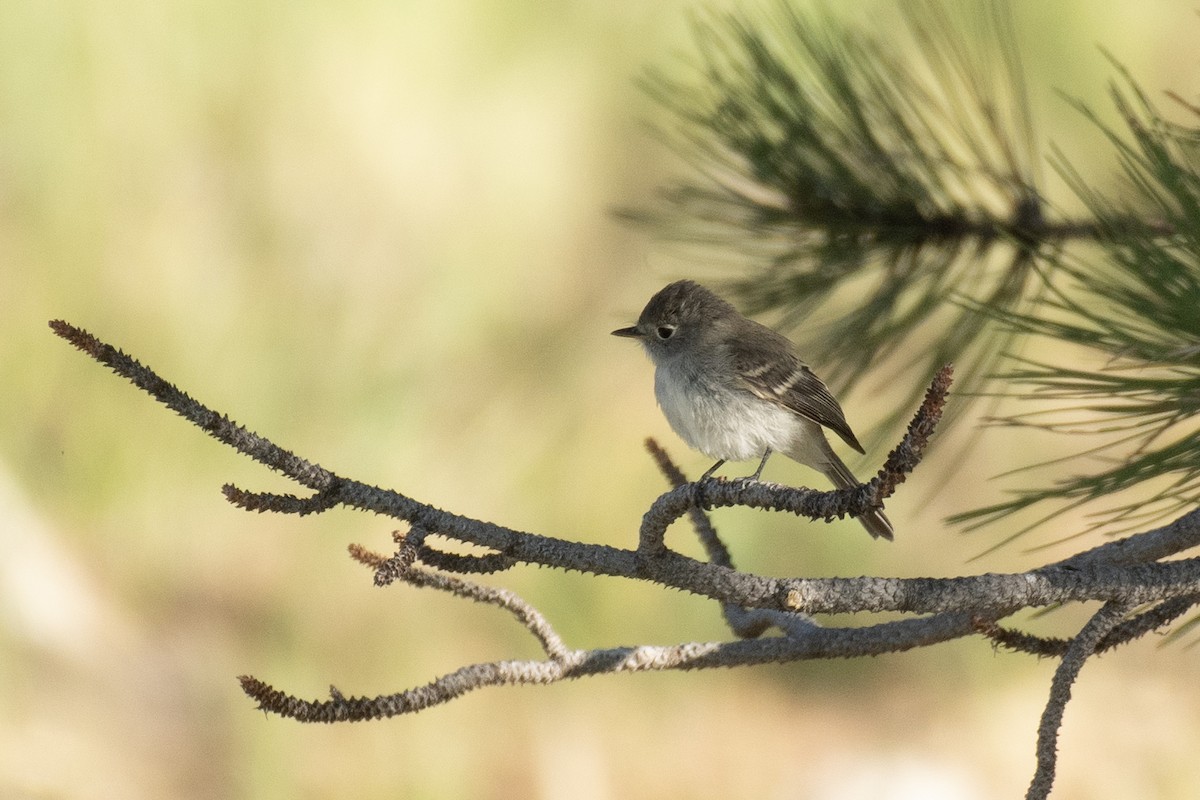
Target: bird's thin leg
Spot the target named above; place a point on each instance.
(711, 470)
(761, 464)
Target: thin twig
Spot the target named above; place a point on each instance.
(283, 503)
(820, 643)
(1137, 626)
(216, 425)
(401, 567)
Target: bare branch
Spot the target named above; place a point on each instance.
(1080, 649)
(1126, 574)
(819, 643)
(216, 425)
(282, 503)
(1135, 627)
(1174, 537)
(401, 567)
(1095, 579)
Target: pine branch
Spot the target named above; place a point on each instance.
(1135, 312)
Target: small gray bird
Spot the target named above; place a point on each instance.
(735, 389)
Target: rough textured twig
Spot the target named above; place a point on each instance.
(447, 562)
(716, 550)
(1137, 626)
(819, 643)
(216, 425)
(1174, 537)
(401, 567)
(1081, 648)
(283, 503)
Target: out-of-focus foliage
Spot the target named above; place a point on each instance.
(1133, 305)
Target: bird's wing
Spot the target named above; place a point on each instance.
(779, 376)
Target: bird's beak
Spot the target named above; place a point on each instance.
(628, 332)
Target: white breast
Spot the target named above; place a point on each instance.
(727, 424)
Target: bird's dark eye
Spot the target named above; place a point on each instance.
(665, 331)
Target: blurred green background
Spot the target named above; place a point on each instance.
(380, 234)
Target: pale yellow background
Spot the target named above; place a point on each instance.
(380, 234)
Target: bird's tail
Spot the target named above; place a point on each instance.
(812, 449)
(876, 523)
